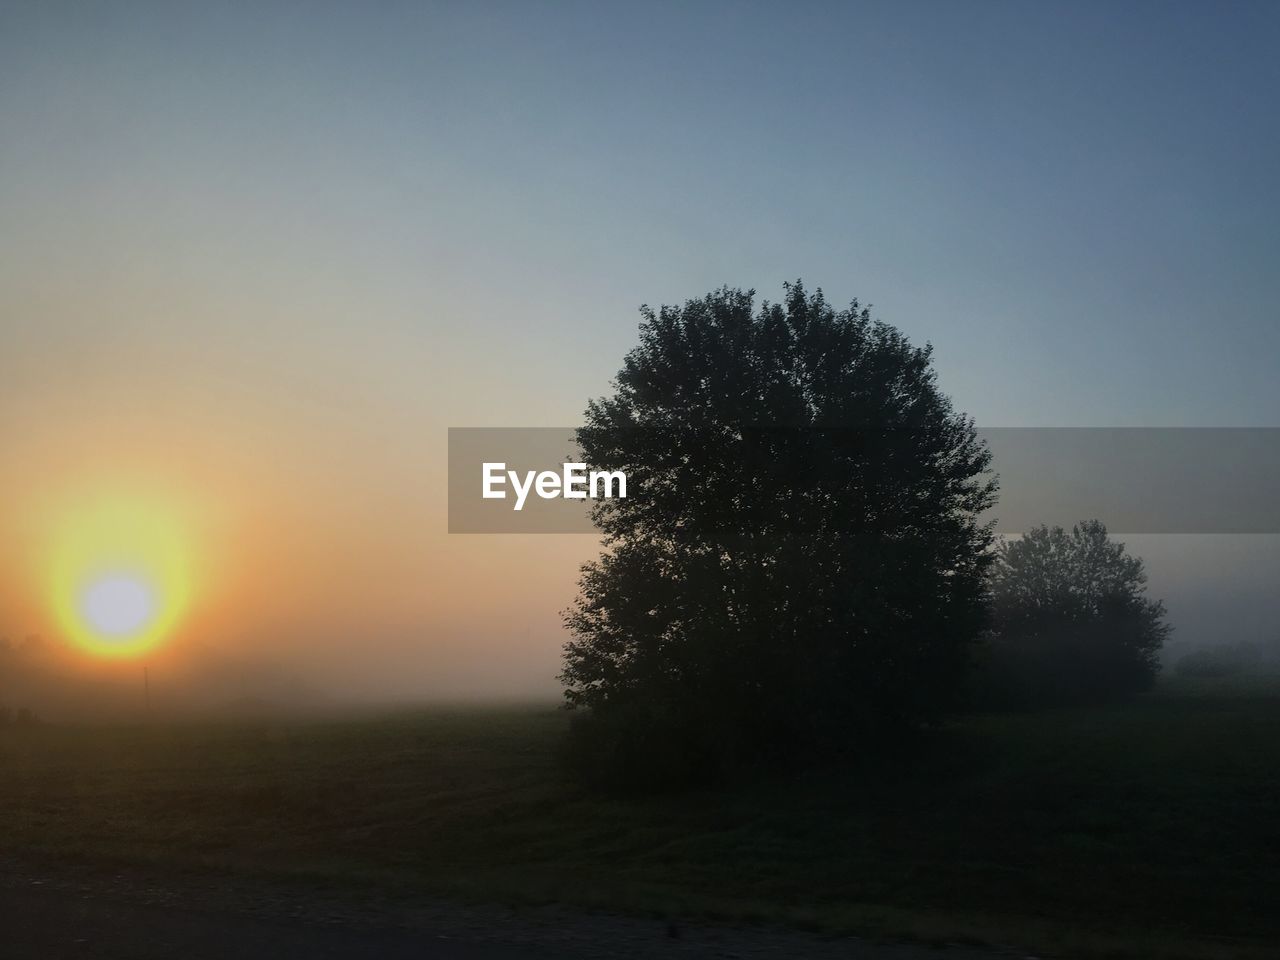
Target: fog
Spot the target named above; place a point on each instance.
(1218, 589)
(253, 272)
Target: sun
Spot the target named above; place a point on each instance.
(119, 576)
(119, 605)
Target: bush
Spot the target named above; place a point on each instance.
(1072, 622)
(22, 717)
(638, 747)
(1225, 660)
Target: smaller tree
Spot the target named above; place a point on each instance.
(1072, 622)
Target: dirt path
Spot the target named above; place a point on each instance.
(52, 925)
(69, 913)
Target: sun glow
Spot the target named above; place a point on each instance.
(119, 577)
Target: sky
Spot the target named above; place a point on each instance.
(256, 258)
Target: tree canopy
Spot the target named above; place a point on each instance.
(1072, 619)
(801, 563)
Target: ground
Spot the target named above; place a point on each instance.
(1144, 829)
(70, 913)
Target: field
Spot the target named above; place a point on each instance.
(1149, 828)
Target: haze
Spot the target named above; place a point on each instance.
(255, 261)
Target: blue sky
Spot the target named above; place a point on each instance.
(1076, 202)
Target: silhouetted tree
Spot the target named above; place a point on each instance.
(1072, 620)
(799, 565)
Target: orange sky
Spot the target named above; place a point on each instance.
(311, 498)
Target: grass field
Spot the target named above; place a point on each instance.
(1150, 828)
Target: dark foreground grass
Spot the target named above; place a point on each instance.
(1150, 828)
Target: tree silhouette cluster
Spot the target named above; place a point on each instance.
(803, 568)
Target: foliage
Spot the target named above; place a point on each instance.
(1223, 660)
(799, 566)
(1072, 621)
(22, 717)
